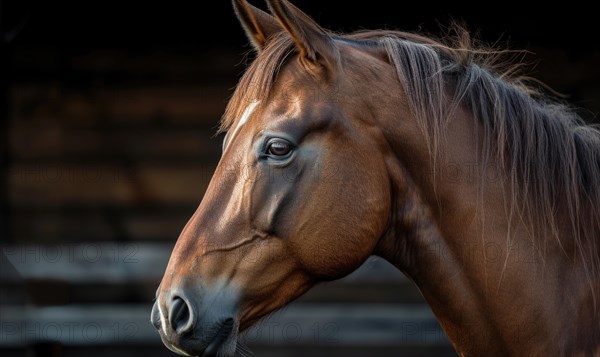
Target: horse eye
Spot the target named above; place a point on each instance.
(279, 148)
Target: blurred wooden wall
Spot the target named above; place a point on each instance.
(115, 144)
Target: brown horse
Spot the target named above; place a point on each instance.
(466, 177)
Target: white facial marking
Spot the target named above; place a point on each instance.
(163, 320)
(249, 110)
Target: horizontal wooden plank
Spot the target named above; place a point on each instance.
(90, 262)
(134, 262)
(106, 105)
(53, 141)
(99, 224)
(96, 273)
(148, 350)
(348, 351)
(296, 325)
(63, 184)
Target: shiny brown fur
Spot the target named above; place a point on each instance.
(476, 186)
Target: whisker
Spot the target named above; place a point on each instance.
(242, 350)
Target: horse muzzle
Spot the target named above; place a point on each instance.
(194, 325)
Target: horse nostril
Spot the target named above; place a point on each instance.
(180, 316)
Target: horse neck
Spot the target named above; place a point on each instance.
(472, 258)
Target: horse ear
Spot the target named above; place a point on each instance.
(313, 43)
(259, 25)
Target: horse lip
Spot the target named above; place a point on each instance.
(209, 349)
(220, 336)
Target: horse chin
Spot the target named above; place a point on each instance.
(222, 344)
(176, 349)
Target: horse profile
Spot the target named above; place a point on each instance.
(472, 182)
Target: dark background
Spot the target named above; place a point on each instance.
(107, 116)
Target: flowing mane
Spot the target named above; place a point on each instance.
(550, 158)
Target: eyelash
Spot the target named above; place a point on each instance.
(286, 149)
